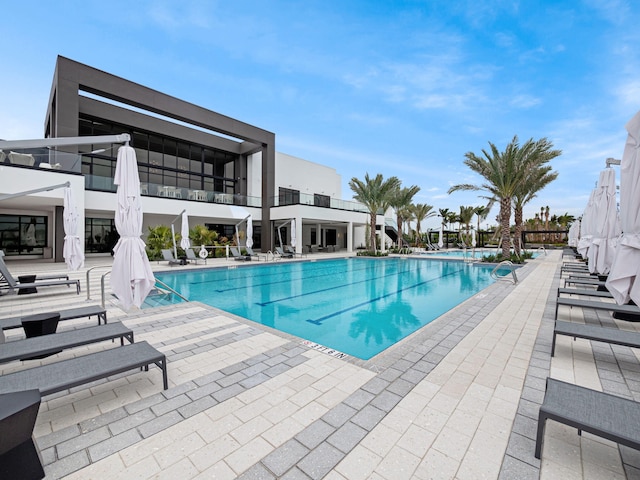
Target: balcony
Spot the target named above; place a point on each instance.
(105, 184)
(312, 200)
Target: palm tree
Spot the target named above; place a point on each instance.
(444, 212)
(421, 211)
(466, 214)
(400, 202)
(375, 194)
(482, 212)
(503, 173)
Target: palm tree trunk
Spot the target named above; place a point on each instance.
(399, 230)
(517, 241)
(372, 226)
(505, 216)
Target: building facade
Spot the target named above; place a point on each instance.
(217, 168)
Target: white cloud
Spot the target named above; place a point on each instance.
(524, 101)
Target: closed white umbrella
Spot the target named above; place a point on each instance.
(249, 241)
(574, 234)
(131, 276)
(440, 235)
(586, 234)
(184, 232)
(293, 233)
(473, 238)
(72, 251)
(626, 263)
(606, 226)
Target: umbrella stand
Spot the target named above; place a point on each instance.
(173, 234)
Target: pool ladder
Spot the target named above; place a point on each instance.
(504, 264)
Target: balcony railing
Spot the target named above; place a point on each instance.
(313, 200)
(105, 184)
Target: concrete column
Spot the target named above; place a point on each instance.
(319, 234)
(350, 237)
(298, 235)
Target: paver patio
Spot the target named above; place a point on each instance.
(458, 399)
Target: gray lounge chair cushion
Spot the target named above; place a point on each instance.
(607, 416)
(59, 376)
(49, 344)
(612, 307)
(69, 314)
(593, 332)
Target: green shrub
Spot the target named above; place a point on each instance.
(371, 253)
(513, 258)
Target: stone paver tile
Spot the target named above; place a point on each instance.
(381, 439)
(213, 452)
(248, 454)
(251, 429)
(452, 443)
(282, 431)
(359, 464)
(285, 457)
(398, 464)
(320, 461)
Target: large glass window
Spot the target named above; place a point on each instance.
(100, 235)
(288, 196)
(23, 235)
(161, 161)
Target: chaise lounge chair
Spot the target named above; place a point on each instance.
(595, 333)
(630, 310)
(69, 314)
(251, 253)
(192, 257)
(12, 284)
(282, 253)
(235, 252)
(37, 347)
(585, 292)
(60, 376)
(168, 256)
(604, 415)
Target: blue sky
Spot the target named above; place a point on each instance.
(401, 88)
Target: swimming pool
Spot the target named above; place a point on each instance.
(359, 306)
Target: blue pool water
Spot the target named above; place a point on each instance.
(359, 306)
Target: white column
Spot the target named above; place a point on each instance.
(298, 234)
(350, 237)
(319, 234)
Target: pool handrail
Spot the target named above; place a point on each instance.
(504, 263)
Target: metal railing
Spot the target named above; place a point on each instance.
(89, 283)
(164, 285)
(102, 287)
(504, 264)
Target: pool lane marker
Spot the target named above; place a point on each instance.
(323, 349)
(319, 321)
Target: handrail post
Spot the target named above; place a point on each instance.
(102, 288)
(88, 283)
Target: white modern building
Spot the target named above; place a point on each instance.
(217, 168)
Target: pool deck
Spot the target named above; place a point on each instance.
(457, 399)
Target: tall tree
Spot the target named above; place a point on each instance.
(421, 211)
(400, 200)
(465, 216)
(537, 178)
(503, 173)
(482, 212)
(375, 194)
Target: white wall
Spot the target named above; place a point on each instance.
(295, 173)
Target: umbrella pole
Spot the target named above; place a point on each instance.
(173, 237)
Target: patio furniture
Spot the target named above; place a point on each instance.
(585, 292)
(235, 252)
(596, 305)
(192, 257)
(173, 261)
(36, 347)
(19, 456)
(12, 284)
(595, 333)
(601, 414)
(59, 376)
(283, 254)
(594, 282)
(69, 314)
(21, 159)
